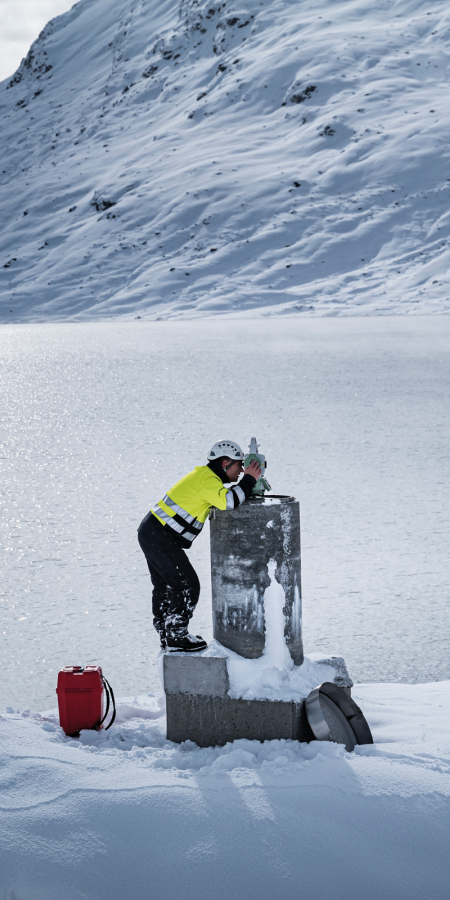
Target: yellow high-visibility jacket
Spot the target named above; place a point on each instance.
(186, 505)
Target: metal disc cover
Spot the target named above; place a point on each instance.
(334, 716)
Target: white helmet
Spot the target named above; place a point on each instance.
(226, 448)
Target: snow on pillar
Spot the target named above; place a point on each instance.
(244, 541)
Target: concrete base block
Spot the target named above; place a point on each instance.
(200, 710)
(211, 721)
(195, 675)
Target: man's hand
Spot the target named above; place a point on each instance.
(254, 469)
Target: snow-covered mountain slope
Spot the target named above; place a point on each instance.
(177, 159)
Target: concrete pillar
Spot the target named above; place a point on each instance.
(243, 541)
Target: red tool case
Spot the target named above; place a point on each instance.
(80, 698)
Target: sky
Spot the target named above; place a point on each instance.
(20, 23)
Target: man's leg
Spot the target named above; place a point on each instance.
(159, 602)
(181, 604)
(176, 585)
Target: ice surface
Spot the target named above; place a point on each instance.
(354, 425)
(165, 159)
(105, 816)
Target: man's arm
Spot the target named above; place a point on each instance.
(241, 492)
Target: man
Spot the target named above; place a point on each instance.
(172, 525)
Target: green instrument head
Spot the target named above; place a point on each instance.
(262, 484)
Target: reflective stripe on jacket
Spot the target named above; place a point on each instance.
(186, 506)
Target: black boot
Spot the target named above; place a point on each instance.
(188, 643)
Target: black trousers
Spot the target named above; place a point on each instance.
(176, 587)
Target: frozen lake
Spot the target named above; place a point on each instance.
(98, 420)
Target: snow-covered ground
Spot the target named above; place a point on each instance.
(273, 676)
(127, 814)
(98, 420)
(165, 159)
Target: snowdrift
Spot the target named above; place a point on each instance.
(128, 814)
(181, 159)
